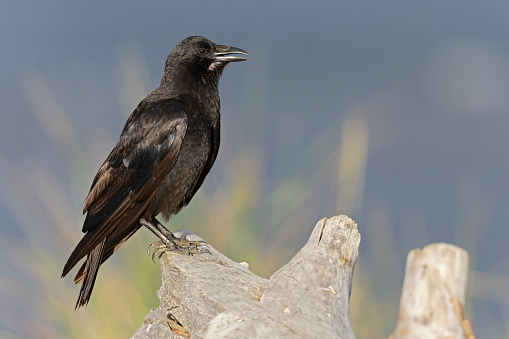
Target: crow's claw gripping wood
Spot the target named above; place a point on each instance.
(179, 246)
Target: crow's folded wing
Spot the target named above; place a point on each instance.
(127, 181)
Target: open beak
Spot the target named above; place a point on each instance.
(228, 54)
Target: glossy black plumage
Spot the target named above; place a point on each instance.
(167, 147)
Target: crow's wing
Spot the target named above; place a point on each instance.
(127, 181)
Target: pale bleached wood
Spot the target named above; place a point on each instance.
(211, 296)
(433, 297)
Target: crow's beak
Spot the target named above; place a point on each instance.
(229, 54)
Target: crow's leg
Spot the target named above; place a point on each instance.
(169, 242)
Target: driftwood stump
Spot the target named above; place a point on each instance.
(211, 296)
(433, 298)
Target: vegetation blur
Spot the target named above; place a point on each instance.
(407, 175)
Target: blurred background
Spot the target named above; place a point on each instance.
(395, 113)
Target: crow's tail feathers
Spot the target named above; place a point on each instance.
(88, 273)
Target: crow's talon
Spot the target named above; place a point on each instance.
(179, 245)
(159, 248)
(196, 243)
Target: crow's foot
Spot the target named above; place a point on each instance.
(190, 248)
(169, 242)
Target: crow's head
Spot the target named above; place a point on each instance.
(200, 55)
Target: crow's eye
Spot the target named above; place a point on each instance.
(201, 51)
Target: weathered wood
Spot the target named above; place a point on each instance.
(433, 298)
(211, 296)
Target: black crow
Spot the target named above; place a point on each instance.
(167, 147)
